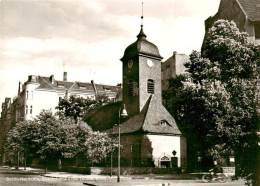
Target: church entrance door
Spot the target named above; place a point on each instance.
(165, 162)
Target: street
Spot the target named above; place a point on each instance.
(35, 180)
(17, 177)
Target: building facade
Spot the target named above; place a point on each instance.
(39, 93)
(245, 13)
(172, 67)
(6, 123)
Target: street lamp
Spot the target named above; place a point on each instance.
(123, 114)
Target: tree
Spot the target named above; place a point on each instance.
(218, 101)
(60, 138)
(21, 139)
(77, 107)
(238, 63)
(54, 139)
(99, 146)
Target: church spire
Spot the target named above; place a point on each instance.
(141, 34)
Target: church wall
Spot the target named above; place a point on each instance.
(183, 152)
(139, 150)
(145, 73)
(164, 145)
(230, 10)
(131, 150)
(132, 103)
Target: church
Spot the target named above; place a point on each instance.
(149, 135)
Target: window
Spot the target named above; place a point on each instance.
(130, 88)
(27, 94)
(163, 123)
(107, 88)
(32, 94)
(82, 87)
(26, 109)
(150, 86)
(31, 107)
(61, 85)
(257, 31)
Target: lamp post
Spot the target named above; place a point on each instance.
(123, 114)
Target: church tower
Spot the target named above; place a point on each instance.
(141, 74)
(149, 134)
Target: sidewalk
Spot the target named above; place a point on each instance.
(83, 177)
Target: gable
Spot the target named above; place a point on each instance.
(159, 120)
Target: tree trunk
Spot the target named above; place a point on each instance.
(46, 166)
(59, 164)
(18, 157)
(111, 170)
(24, 161)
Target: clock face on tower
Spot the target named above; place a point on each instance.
(149, 63)
(130, 64)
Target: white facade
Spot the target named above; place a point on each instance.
(163, 146)
(43, 93)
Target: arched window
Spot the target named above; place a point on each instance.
(130, 88)
(150, 86)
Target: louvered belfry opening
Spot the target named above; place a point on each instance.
(150, 86)
(130, 88)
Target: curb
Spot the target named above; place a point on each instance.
(156, 184)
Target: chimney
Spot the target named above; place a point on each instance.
(20, 87)
(65, 76)
(52, 79)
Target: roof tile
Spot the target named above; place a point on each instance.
(251, 8)
(148, 121)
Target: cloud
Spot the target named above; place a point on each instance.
(51, 53)
(37, 37)
(46, 19)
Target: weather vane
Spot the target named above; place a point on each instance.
(142, 17)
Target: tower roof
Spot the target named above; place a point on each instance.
(141, 47)
(148, 121)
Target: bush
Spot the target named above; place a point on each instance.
(74, 169)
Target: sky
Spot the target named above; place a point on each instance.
(87, 38)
